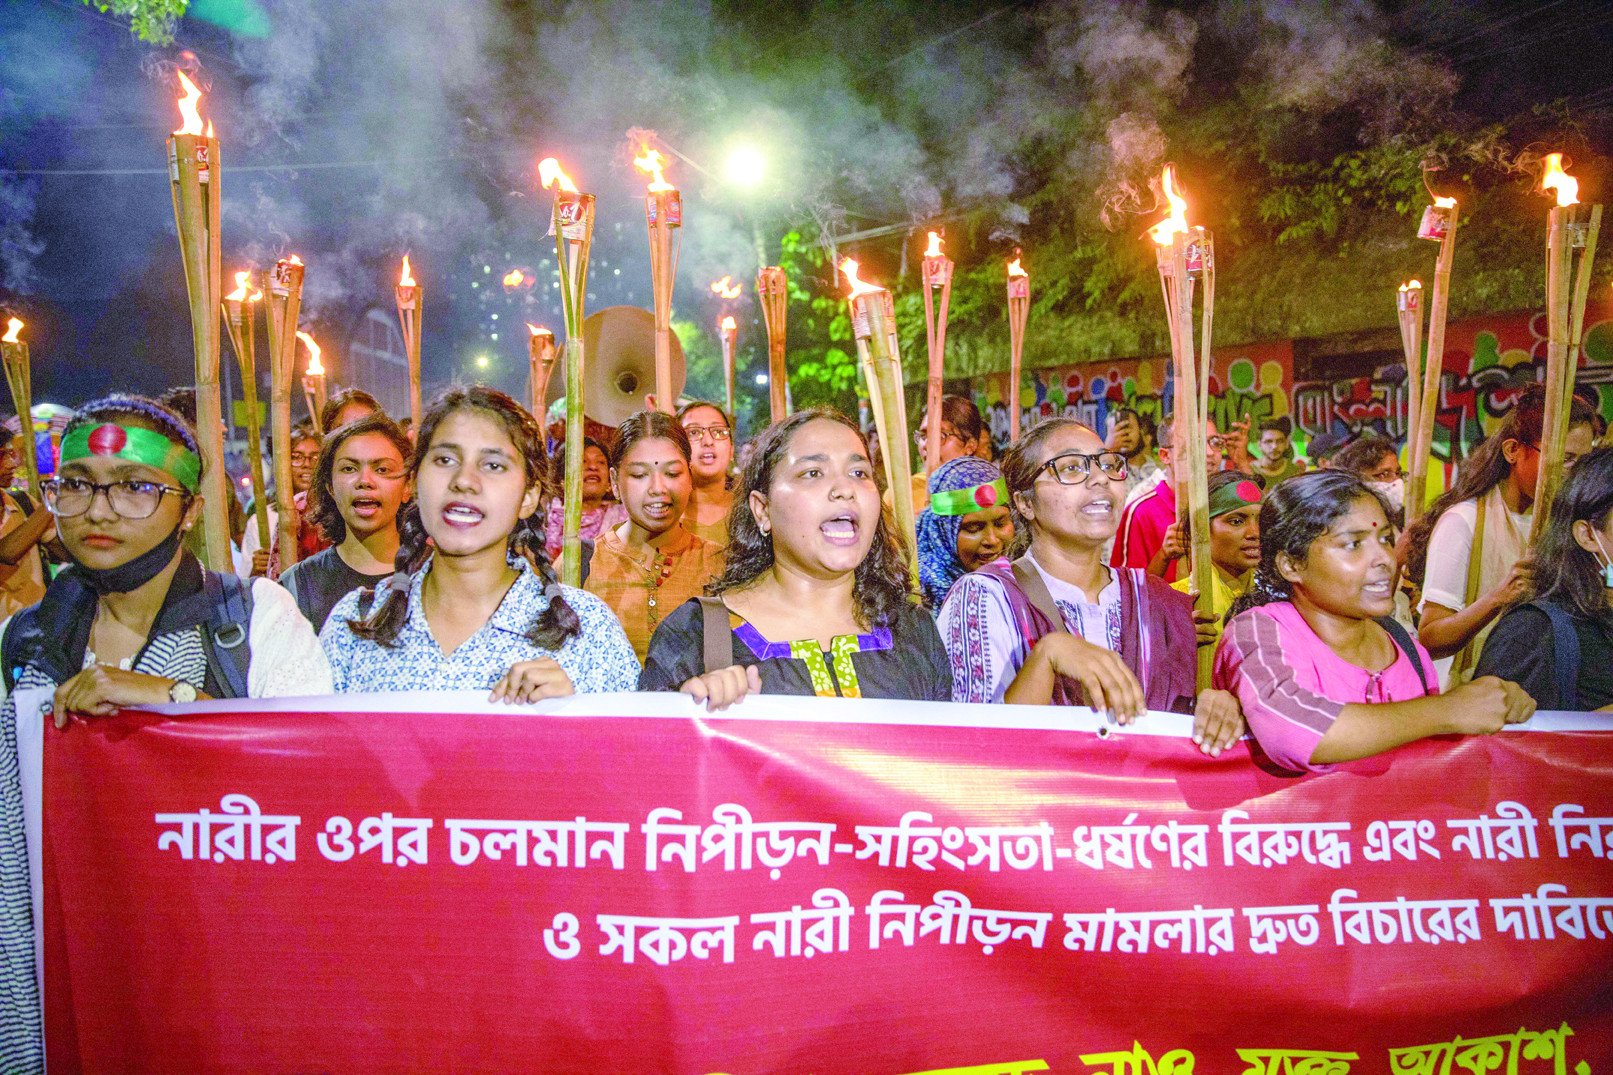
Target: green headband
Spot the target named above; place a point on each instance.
(975, 498)
(1232, 496)
(137, 446)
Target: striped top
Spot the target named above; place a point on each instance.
(1292, 686)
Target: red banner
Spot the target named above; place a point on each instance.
(616, 884)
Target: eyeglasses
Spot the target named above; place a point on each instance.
(1072, 468)
(299, 459)
(946, 434)
(715, 434)
(1218, 443)
(67, 497)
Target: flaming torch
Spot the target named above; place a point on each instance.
(240, 318)
(1438, 225)
(873, 322)
(19, 375)
(728, 332)
(193, 172)
(541, 356)
(573, 228)
(772, 287)
(313, 382)
(663, 212)
(1409, 306)
(285, 303)
(1566, 234)
(726, 288)
(411, 299)
(937, 276)
(1185, 255)
(1019, 308)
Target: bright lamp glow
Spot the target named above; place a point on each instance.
(761, 378)
(481, 362)
(745, 166)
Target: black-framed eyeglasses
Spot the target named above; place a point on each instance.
(67, 497)
(1073, 468)
(921, 436)
(715, 434)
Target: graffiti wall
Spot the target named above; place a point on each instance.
(1488, 361)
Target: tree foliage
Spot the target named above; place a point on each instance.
(152, 21)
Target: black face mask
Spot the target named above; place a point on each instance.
(134, 574)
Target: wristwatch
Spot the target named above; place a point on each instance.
(181, 693)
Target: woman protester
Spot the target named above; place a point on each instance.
(962, 433)
(711, 444)
(1558, 646)
(257, 561)
(1323, 671)
(474, 603)
(966, 525)
(597, 514)
(1471, 549)
(1059, 626)
(815, 597)
(134, 620)
(650, 564)
(359, 486)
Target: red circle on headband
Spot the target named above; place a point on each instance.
(1247, 491)
(107, 439)
(985, 495)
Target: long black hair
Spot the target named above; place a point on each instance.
(322, 509)
(1292, 517)
(558, 621)
(1566, 574)
(882, 584)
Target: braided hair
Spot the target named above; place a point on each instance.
(558, 621)
(1292, 516)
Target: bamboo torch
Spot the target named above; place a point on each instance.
(573, 226)
(772, 287)
(411, 302)
(1438, 225)
(1570, 234)
(1409, 309)
(19, 375)
(240, 317)
(1019, 307)
(540, 358)
(193, 173)
(663, 213)
(873, 322)
(728, 331)
(1185, 255)
(313, 383)
(937, 276)
(285, 303)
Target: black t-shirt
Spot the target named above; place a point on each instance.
(913, 665)
(1522, 648)
(322, 580)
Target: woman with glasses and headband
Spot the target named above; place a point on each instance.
(135, 620)
(711, 444)
(1058, 626)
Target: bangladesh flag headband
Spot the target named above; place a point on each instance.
(963, 501)
(1232, 496)
(137, 446)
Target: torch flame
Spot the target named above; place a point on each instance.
(210, 128)
(13, 327)
(934, 249)
(1444, 203)
(406, 278)
(1014, 268)
(1177, 220)
(1566, 186)
(650, 162)
(295, 260)
(1412, 285)
(538, 330)
(858, 287)
(728, 324)
(189, 111)
(315, 367)
(513, 278)
(241, 287)
(550, 172)
(725, 288)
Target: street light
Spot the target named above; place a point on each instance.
(745, 166)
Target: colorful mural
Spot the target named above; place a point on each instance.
(1488, 361)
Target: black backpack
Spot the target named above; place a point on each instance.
(35, 634)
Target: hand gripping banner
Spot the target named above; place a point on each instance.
(622, 883)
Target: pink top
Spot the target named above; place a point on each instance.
(1292, 686)
(1142, 529)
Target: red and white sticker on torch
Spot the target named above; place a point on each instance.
(1435, 224)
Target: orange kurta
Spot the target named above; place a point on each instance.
(642, 584)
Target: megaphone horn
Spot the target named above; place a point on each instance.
(619, 345)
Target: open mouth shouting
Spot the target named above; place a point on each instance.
(460, 515)
(364, 507)
(841, 530)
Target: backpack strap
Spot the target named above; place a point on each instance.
(1565, 653)
(227, 632)
(718, 636)
(17, 630)
(1402, 639)
(1036, 592)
